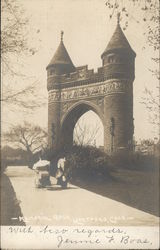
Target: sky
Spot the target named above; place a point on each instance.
(87, 30)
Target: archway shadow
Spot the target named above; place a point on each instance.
(134, 188)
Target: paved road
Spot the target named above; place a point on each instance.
(73, 206)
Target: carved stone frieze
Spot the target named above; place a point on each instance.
(100, 89)
(54, 96)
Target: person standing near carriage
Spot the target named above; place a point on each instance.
(60, 175)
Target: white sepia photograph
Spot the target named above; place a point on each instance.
(80, 124)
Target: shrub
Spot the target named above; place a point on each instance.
(135, 161)
(88, 161)
(17, 157)
(84, 161)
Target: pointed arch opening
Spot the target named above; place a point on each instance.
(82, 125)
(89, 131)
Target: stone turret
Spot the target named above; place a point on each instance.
(118, 61)
(61, 62)
(118, 57)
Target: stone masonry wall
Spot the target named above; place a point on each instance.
(120, 108)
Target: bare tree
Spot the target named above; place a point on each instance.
(15, 45)
(28, 137)
(84, 134)
(152, 104)
(139, 11)
(14, 34)
(24, 99)
(144, 12)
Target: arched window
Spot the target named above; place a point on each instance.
(52, 72)
(111, 59)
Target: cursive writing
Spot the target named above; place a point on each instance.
(128, 240)
(63, 241)
(46, 229)
(21, 229)
(66, 237)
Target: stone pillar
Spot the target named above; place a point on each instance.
(54, 121)
(118, 122)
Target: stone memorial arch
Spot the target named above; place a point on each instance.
(72, 91)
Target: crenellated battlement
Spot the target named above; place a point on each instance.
(82, 72)
(79, 73)
(85, 76)
(81, 76)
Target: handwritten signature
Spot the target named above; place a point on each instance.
(66, 236)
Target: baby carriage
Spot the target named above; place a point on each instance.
(42, 176)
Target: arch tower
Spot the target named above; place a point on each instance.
(74, 90)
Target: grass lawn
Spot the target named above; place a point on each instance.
(135, 188)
